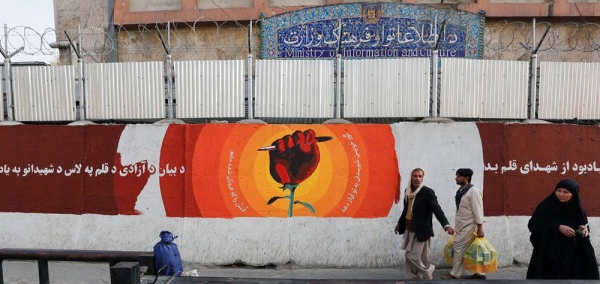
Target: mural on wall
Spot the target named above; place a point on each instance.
(237, 170)
(372, 30)
(220, 171)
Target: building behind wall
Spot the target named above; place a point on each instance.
(219, 29)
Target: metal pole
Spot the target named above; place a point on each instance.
(250, 38)
(533, 36)
(169, 86)
(112, 53)
(434, 84)
(338, 86)
(250, 89)
(169, 74)
(80, 63)
(434, 80)
(1, 273)
(533, 73)
(44, 274)
(10, 96)
(169, 34)
(250, 75)
(7, 77)
(533, 86)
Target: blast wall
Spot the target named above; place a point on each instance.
(309, 195)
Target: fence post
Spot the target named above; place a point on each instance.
(533, 87)
(81, 88)
(533, 82)
(250, 88)
(434, 69)
(338, 86)
(167, 47)
(10, 100)
(169, 86)
(434, 83)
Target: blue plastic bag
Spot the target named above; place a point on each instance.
(167, 253)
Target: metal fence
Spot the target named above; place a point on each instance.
(210, 89)
(484, 88)
(369, 88)
(44, 93)
(387, 88)
(569, 90)
(132, 90)
(295, 88)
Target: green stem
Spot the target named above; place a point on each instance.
(292, 188)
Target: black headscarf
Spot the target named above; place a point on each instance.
(552, 205)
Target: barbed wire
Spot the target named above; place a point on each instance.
(202, 39)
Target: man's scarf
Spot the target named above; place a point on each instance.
(460, 193)
(410, 197)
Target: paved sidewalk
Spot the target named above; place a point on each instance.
(25, 272)
(513, 273)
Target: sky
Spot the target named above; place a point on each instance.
(37, 16)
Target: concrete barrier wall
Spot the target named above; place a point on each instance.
(115, 187)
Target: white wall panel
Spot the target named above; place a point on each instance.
(569, 90)
(473, 88)
(295, 88)
(133, 90)
(44, 93)
(386, 87)
(210, 89)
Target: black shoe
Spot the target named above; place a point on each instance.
(476, 276)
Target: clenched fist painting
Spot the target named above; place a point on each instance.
(292, 159)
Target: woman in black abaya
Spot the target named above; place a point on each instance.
(560, 237)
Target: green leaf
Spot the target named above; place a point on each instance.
(274, 198)
(307, 205)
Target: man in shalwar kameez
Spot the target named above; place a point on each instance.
(469, 219)
(415, 223)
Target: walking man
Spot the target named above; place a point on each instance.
(469, 219)
(415, 223)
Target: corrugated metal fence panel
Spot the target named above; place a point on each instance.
(2, 98)
(44, 93)
(473, 88)
(295, 88)
(569, 90)
(133, 90)
(210, 89)
(386, 87)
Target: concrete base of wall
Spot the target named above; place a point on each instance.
(251, 121)
(9, 123)
(437, 120)
(81, 122)
(168, 121)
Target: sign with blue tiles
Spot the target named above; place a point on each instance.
(373, 30)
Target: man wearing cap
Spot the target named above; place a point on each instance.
(469, 219)
(415, 222)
